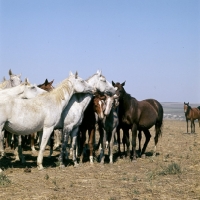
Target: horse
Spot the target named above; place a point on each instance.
(47, 86)
(108, 126)
(136, 115)
(72, 115)
(24, 91)
(191, 114)
(25, 116)
(12, 82)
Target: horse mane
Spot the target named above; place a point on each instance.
(60, 90)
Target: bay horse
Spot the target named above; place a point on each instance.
(191, 114)
(137, 115)
(25, 116)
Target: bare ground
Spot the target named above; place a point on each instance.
(173, 174)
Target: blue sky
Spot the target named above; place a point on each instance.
(153, 45)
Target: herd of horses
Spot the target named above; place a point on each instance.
(75, 107)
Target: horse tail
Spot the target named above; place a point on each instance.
(198, 107)
(159, 123)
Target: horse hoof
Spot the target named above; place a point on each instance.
(40, 168)
(143, 156)
(76, 165)
(134, 160)
(62, 166)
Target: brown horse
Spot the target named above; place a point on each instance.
(191, 114)
(137, 115)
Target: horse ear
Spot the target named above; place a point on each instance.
(76, 74)
(10, 72)
(46, 82)
(113, 83)
(70, 73)
(51, 82)
(26, 81)
(123, 84)
(99, 72)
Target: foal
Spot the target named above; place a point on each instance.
(96, 105)
(191, 114)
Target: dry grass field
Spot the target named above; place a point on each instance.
(173, 174)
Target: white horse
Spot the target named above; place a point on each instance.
(73, 114)
(25, 91)
(25, 116)
(12, 82)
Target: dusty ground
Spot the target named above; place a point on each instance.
(173, 174)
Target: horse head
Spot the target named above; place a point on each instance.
(14, 79)
(111, 102)
(80, 85)
(30, 90)
(46, 85)
(119, 89)
(99, 82)
(186, 107)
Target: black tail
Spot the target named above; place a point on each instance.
(198, 107)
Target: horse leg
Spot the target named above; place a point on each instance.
(192, 126)
(64, 141)
(126, 140)
(45, 137)
(51, 143)
(148, 136)
(103, 146)
(91, 143)
(18, 148)
(82, 143)
(139, 140)
(118, 141)
(74, 146)
(2, 140)
(187, 125)
(32, 138)
(134, 135)
(111, 143)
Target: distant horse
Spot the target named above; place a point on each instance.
(136, 115)
(191, 114)
(12, 82)
(42, 112)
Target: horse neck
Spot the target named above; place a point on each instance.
(13, 91)
(63, 94)
(188, 111)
